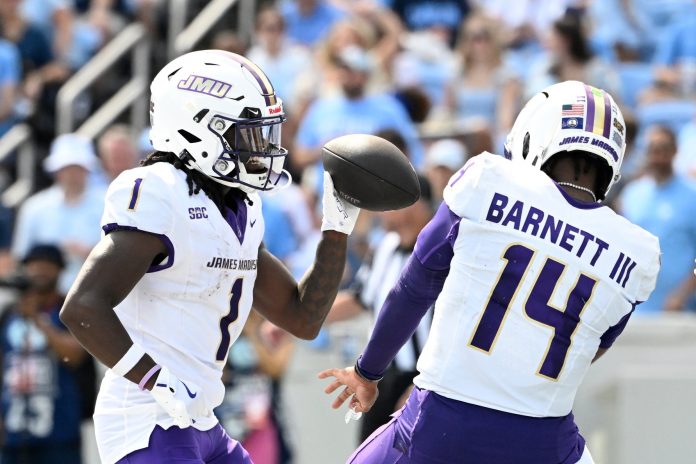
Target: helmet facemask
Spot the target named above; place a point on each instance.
(252, 157)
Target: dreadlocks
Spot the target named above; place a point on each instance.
(196, 181)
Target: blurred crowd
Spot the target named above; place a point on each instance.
(441, 79)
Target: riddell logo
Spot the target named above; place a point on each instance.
(275, 110)
(204, 85)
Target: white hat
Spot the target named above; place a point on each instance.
(447, 152)
(70, 150)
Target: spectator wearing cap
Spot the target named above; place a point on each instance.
(42, 403)
(664, 203)
(67, 213)
(372, 284)
(442, 160)
(353, 111)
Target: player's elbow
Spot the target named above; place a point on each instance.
(73, 315)
(69, 315)
(306, 331)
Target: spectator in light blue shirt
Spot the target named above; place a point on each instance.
(10, 77)
(309, 21)
(352, 112)
(67, 213)
(664, 203)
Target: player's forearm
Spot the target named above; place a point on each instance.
(98, 329)
(318, 288)
(62, 343)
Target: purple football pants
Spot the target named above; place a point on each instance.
(437, 430)
(189, 446)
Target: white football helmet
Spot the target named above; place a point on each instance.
(218, 112)
(566, 117)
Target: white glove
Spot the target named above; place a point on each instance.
(339, 215)
(182, 401)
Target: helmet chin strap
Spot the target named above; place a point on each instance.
(578, 187)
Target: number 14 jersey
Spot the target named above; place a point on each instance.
(538, 282)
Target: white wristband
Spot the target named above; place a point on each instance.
(129, 360)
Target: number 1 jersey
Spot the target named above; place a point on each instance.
(189, 307)
(537, 283)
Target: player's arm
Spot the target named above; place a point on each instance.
(61, 342)
(300, 308)
(414, 293)
(111, 271)
(612, 333)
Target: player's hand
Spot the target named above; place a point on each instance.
(362, 393)
(182, 401)
(339, 215)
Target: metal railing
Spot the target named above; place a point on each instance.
(134, 40)
(19, 140)
(206, 19)
(178, 11)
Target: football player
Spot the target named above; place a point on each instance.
(533, 280)
(169, 287)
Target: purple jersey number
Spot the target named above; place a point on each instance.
(563, 321)
(229, 318)
(135, 194)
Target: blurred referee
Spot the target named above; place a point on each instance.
(374, 280)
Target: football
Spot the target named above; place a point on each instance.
(370, 172)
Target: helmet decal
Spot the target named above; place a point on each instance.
(598, 111)
(261, 79)
(204, 85)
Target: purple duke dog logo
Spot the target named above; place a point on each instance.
(204, 85)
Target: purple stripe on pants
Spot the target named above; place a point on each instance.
(433, 429)
(189, 446)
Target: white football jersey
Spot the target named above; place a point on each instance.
(537, 282)
(188, 309)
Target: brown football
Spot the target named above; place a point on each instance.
(371, 172)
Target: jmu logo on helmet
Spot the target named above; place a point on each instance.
(204, 85)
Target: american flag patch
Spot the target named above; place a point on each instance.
(575, 109)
